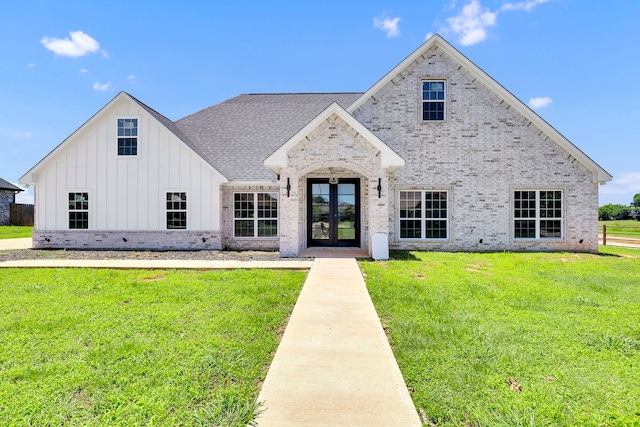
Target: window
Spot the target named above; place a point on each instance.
(433, 100)
(78, 211)
(538, 214)
(127, 137)
(176, 211)
(255, 214)
(423, 215)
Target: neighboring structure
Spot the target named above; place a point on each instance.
(436, 155)
(8, 193)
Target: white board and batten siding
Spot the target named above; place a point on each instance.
(126, 192)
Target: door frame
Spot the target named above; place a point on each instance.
(333, 205)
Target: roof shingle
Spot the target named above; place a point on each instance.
(236, 135)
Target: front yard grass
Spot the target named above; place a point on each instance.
(15, 231)
(506, 339)
(162, 348)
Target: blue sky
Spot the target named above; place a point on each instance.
(575, 62)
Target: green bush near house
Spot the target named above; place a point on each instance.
(162, 348)
(506, 339)
(15, 231)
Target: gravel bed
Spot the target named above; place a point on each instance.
(23, 254)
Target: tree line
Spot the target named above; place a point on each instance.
(612, 211)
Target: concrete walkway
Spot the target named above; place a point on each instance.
(334, 366)
(10, 244)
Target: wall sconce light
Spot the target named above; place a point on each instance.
(288, 187)
(480, 241)
(379, 187)
(581, 240)
(124, 240)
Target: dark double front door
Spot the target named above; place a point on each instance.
(333, 212)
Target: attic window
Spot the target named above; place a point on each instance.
(127, 137)
(433, 100)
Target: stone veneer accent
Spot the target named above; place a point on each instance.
(332, 149)
(482, 153)
(246, 243)
(6, 198)
(135, 240)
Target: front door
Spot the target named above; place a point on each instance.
(333, 212)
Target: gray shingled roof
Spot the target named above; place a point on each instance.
(6, 185)
(236, 135)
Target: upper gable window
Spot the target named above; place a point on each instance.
(433, 99)
(127, 137)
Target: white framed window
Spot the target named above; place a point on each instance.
(434, 100)
(538, 214)
(127, 137)
(78, 211)
(176, 210)
(424, 214)
(255, 214)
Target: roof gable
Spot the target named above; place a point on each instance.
(28, 178)
(279, 159)
(436, 41)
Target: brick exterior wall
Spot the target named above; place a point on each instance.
(227, 223)
(333, 149)
(6, 198)
(481, 153)
(128, 240)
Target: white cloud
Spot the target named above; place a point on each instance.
(471, 24)
(523, 5)
(80, 44)
(621, 189)
(131, 78)
(84, 70)
(539, 102)
(24, 197)
(102, 86)
(428, 36)
(390, 25)
(18, 134)
(31, 65)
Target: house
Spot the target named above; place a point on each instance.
(8, 193)
(435, 156)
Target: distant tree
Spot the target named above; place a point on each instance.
(636, 200)
(612, 212)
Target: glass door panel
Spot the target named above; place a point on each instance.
(333, 213)
(320, 215)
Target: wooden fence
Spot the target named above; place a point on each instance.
(20, 214)
(620, 234)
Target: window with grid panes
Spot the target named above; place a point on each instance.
(127, 137)
(78, 210)
(433, 100)
(255, 214)
(424, 214)
(538, 214)
(176, 211)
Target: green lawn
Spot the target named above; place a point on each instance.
(505, 339)
(628, 228)
(138, 348)
(14, 231)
